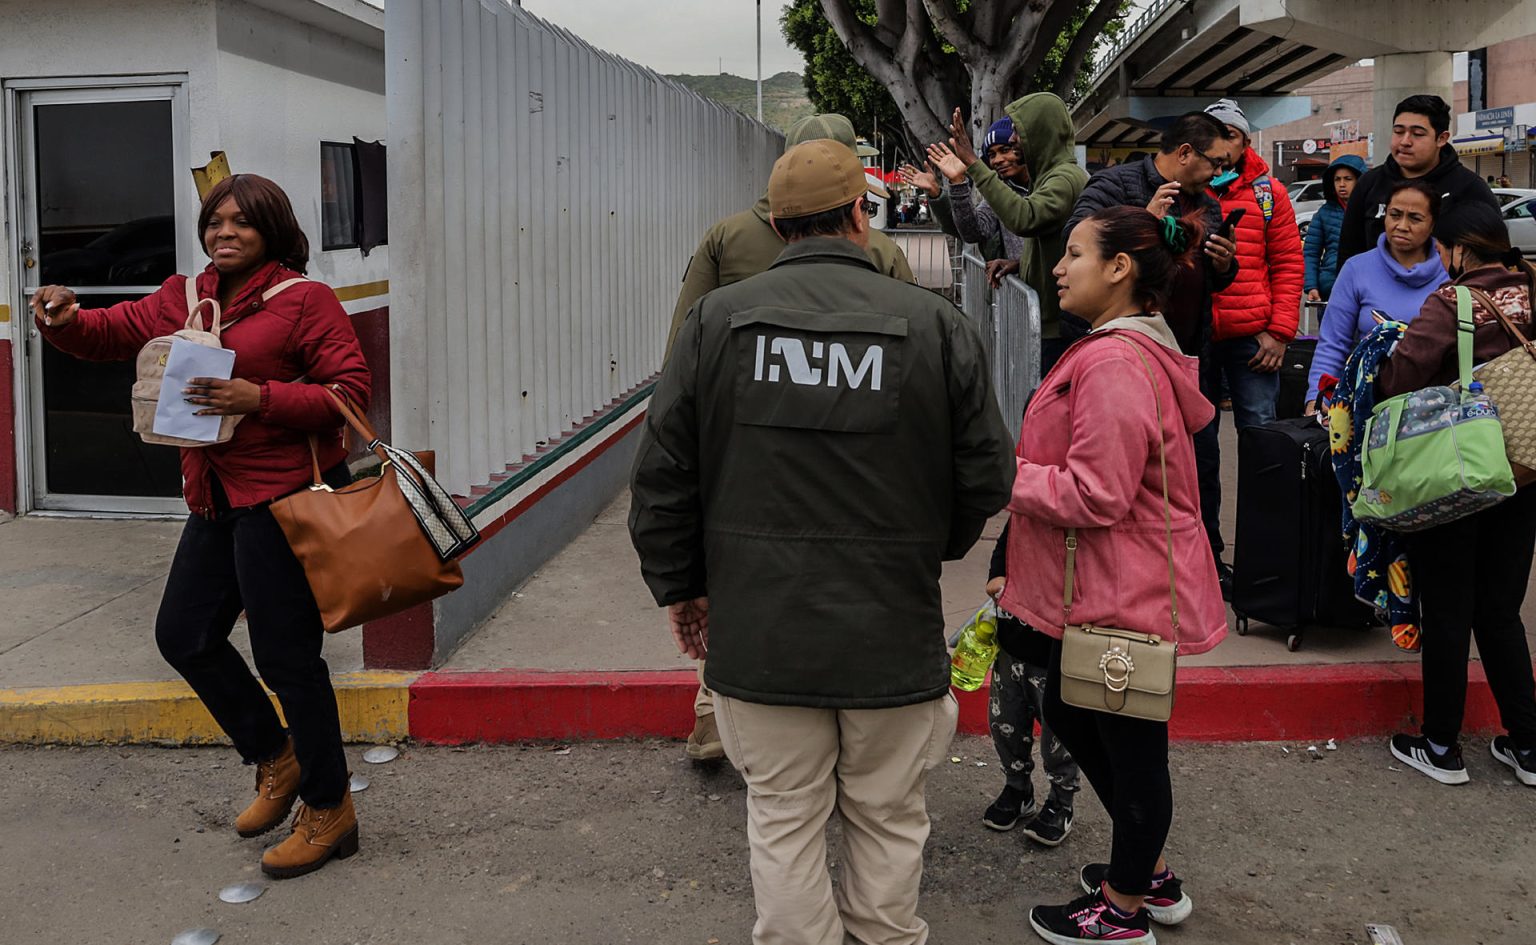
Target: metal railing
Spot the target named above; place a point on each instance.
(1009, 319)
(544, 199)
(1106, 57)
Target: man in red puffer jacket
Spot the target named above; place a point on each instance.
(1254, 318)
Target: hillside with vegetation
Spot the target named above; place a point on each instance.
(784, 98)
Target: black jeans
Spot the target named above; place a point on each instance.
(1471, 575)
(240, 560)
(1126, 761)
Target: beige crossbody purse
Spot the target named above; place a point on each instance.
(1121, 671)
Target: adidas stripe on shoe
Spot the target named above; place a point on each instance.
(1415, 752)
(1523, 763)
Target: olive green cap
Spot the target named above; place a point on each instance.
(831, 126)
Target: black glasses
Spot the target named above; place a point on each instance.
(1215, 162)
(869, 206)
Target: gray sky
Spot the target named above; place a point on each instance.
(675, 36)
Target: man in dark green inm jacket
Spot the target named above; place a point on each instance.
(735, 248)
(823, 437)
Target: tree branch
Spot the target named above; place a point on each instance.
(1082, 44)
(865, 47)
(912, 38)
(1033, 35)
(1029, 56)
(946, 19)
(891, 21)
(907, 83)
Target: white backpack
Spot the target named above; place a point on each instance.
(151, 366)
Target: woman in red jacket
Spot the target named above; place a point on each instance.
(233, 557)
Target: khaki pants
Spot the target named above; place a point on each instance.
(703, 700)
(872, 765)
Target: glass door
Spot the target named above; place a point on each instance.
(103, 212)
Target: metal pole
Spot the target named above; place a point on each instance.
(759, 60)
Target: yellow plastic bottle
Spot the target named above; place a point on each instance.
(976, 650)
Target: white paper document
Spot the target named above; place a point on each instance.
(173, 415)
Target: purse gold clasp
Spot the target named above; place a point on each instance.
(1117, 666)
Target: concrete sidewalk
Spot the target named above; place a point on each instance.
(579, 651)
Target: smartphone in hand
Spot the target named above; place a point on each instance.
(1230, 223)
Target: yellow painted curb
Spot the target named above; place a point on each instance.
(373, 708)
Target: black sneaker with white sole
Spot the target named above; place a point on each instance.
(1522, 760)
(1051, 825)
(1010, 807)
(1416, 752)
(1166, 902)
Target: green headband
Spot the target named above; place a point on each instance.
(1175, 236)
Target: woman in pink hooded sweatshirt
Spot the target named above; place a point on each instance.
(1089, 459)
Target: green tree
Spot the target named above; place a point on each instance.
(912, 61)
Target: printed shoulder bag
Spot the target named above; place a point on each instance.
(1510, 380)
(1434, 455)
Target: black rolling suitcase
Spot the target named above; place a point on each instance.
(1289, 564)
(1290, 401)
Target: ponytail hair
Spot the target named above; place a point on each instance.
(1162, 250)
(1479, 229)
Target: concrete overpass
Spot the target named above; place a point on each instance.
(1178, 55)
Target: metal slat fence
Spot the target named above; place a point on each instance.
(1009, 319)
(933, 256)
(544, 199)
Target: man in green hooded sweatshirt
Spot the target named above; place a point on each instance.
(739, 247)
(1045, 136)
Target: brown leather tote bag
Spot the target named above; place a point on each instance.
(380, 545)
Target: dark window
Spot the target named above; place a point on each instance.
(354, 199)
(338, 196)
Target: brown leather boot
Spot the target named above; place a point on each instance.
(277, 787)
(317, 836)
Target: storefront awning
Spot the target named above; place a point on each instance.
(1479, 144)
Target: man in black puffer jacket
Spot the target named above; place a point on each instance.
(1175, 180)
(1421, 148)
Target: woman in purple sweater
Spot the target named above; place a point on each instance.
(1395, 278)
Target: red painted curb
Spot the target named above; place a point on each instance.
(1245, 703)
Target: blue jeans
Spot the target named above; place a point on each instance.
(1253, 404)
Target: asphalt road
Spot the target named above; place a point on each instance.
(626, 843)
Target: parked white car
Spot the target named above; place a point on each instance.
(1306, 197)
(1520, 217)
(1508, 195)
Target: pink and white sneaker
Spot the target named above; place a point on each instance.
(1091, 918)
